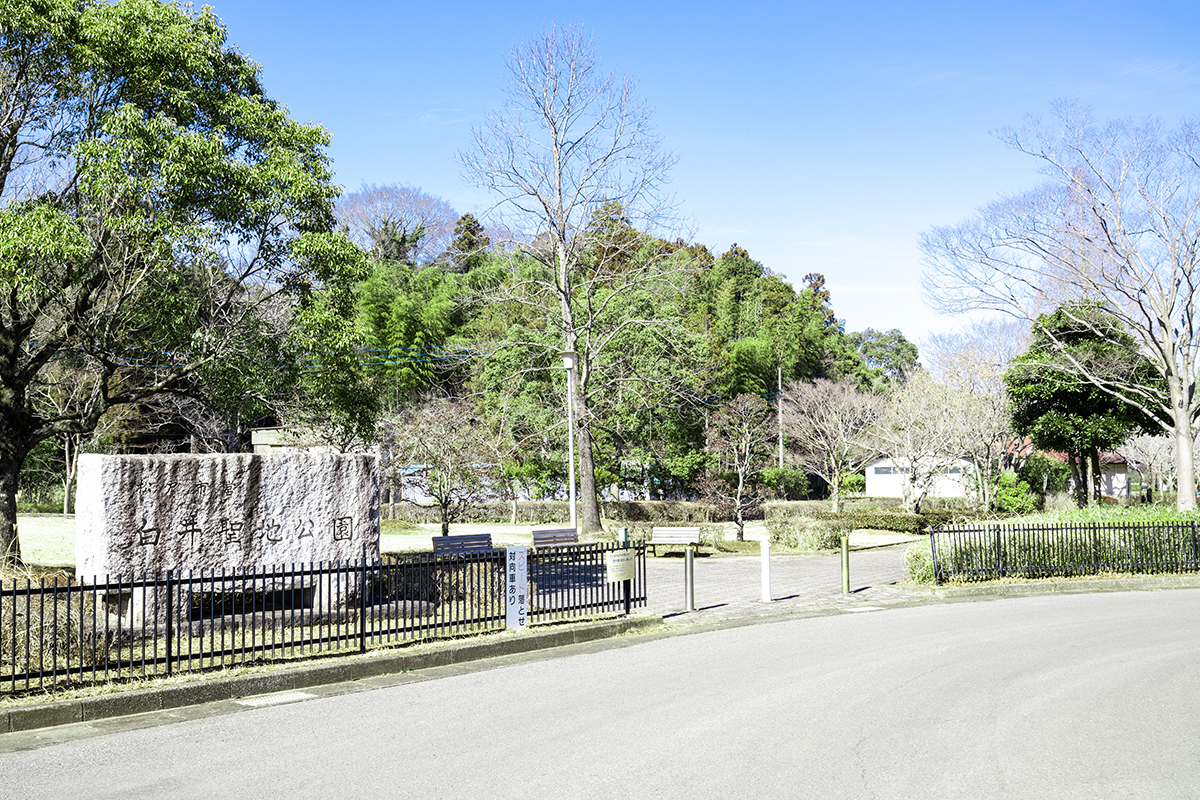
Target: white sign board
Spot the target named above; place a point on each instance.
(516, 586)
(620, 564)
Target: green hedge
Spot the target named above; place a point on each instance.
(546, 512)
(1032, 551)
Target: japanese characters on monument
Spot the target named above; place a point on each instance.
(516, 580)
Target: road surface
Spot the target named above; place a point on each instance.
(1059, 696)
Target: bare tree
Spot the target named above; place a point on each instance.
(1153, 457)
(922, 433)
(426, 219)
(573, 161)
(975, 357)
(739, 435)
(972, 361)
(830, 426)
(443, 451)
(1116, 223)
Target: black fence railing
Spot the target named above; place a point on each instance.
(57, 633)
(1001, 551)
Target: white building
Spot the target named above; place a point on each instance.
(886, 478)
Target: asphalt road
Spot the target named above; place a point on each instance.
(1060, 696)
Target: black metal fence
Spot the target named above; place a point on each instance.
(989, 552)
(58, 633)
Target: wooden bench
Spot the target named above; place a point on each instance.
(462, 544)
(688, 537)
(554, 537)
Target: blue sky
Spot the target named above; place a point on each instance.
(822, 137)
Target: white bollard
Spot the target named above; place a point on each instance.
(689, 579)
(764, 551)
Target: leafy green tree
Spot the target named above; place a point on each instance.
(154, 207)
(1059, 410)
(469, 247)
(408, 315)
(888, 355)
(1044, 474)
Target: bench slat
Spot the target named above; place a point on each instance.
(554, 537)
(463, 543)
(672, 536)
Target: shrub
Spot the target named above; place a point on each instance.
(877, 519)
(1013, 495)
(57, 625)
(854, 483)
(934, 518)
(657, 511)
(786, 484)
(919, 561)
(712, 534)
(532, 512)
(797, 529)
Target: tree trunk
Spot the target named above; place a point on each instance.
(1076, 479)
(835, 493)
(1185, 471)
(589, 499)
(71, 462)
(10, 544)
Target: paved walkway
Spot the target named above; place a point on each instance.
(731, 586)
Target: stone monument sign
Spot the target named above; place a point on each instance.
(180, 512)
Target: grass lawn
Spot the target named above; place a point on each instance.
(47, 540)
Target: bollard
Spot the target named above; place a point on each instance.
(689, 579)
(764, 552)
(627, 587)
(845, 565)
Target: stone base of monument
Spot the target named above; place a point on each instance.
(215, 521)
(244, 601)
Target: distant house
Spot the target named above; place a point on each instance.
(886, 478)
(1114, 473)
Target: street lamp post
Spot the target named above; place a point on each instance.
(568, 358)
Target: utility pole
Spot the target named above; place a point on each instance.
(779, 413)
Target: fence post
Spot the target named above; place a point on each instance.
(937, 577)
(362, 604)
(1194, 554)
(627, 585)
(170, 623)
(999, 559)
(1095, 549)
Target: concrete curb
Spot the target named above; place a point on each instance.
(1033, 589)
(207, 689)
